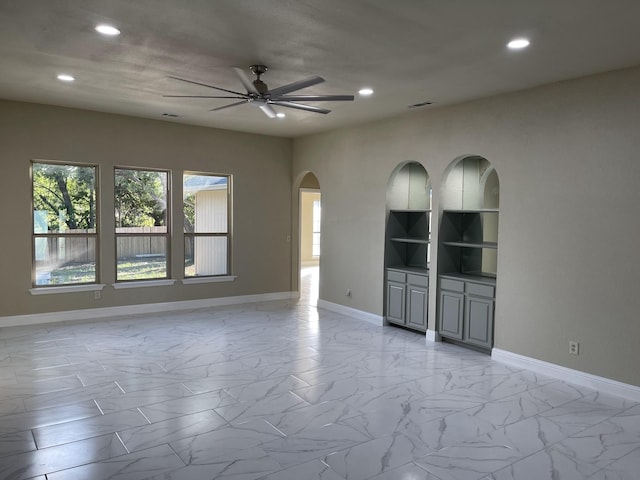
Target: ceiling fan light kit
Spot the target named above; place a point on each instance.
(259, 95)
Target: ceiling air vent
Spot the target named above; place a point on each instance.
(418, 105)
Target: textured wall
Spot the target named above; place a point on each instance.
(567, 156)
(261, 169)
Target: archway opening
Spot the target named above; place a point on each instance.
(310, 208)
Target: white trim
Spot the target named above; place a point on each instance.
(95, 313)
(432, 336)
(584, 379)
(66, 289)
(351, 312)
(195, 280)
(143, 284)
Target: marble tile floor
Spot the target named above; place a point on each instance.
(283, 391)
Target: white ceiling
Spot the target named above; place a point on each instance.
(409, 51)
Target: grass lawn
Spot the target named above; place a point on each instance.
(128, 269)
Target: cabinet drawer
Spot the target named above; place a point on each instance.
(418, 280)
(394, 276)
(480, 290)
(452, 285)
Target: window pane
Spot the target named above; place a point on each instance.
(315, 247)
(205, 256)
(140, 199)
(316, 215)
(141, 257)
(64, 198)
(205, 203)
(65, 260)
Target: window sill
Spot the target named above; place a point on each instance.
(143, 284)
(66, 289)
(195, 280)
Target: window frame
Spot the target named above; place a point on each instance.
(194, 235)
(95, 235)
(167, 234)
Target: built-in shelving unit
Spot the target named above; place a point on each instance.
(408, 239)
(407, 268)
(467, 261)
(407, 247)
(468, 242)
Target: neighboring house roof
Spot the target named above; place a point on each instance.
(197, 183)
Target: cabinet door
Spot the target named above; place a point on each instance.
(478, 329)
(451, 305)
(417, 298)
(395, 302)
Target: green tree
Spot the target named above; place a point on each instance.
(140, 198)
(67, 194)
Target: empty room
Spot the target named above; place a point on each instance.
(276, 240)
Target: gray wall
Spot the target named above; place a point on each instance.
(261, 169)
(567, 156)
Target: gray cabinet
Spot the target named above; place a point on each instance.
(478, 321)
(417, 301)
(467, 267)
(451, 314)
(407, 299)
(466, 309)
(395, 302)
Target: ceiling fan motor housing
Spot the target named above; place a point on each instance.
(260, 86)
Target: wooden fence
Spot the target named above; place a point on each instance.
(82, 249)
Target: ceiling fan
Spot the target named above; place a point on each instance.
(258, 93)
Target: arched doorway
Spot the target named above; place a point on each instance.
(310, 208)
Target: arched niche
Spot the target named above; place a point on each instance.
(409, 188)
(407, 247)
(467, 252)
(470, 183)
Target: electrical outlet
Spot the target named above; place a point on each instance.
(97, 295)
(574, 347)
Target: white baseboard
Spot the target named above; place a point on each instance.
(602, 384)
(351, 312)
(93, 313)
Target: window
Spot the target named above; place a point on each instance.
(206, 224)
(315, 248)
(142, 224)
(64, 224)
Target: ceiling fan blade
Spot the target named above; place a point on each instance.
(248, 84)
(292, 87)
(228, 106)
(208, 86)
(198, 96)
(314, 98)
(300, 106)
(268, 111)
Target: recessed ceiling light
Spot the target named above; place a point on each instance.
(107, 30)
(518, 43)
(365, 92)
(65, 78)
(280, 115)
